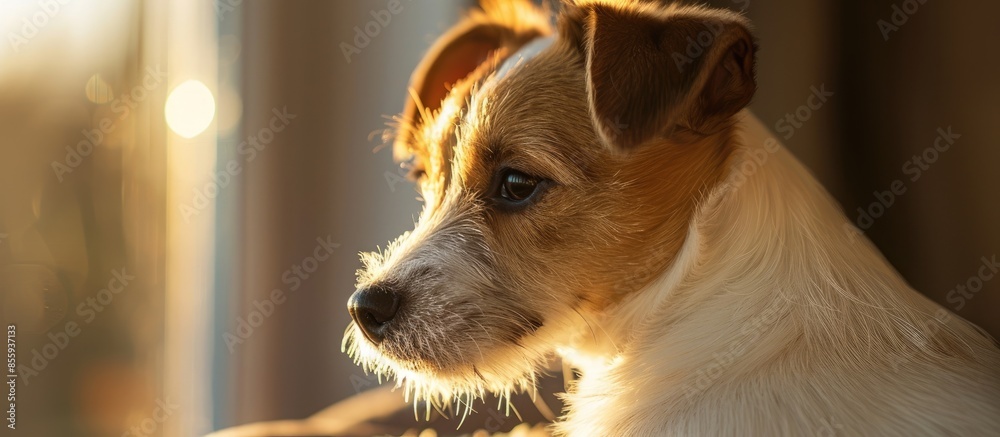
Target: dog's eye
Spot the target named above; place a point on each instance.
(516, 187)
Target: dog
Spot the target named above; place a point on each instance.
(595, 189)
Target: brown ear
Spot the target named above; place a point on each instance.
(650, 71)
(498, 30)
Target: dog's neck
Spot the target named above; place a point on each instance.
(723, 305)
(752, 246)
(772, 280)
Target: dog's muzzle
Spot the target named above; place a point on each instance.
(373, 309)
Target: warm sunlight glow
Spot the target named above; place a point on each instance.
(190, 109)
(98, 90)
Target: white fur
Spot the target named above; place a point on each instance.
(779, 319)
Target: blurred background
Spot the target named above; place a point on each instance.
(165, 166)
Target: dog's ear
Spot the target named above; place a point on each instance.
(500, 28)
(451, 59)
(650, 71)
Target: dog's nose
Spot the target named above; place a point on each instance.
(372, 309)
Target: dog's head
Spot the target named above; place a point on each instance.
(559, 167)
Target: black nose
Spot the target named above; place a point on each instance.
(372, 309)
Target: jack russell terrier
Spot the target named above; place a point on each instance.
(595, 189)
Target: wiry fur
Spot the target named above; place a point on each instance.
(695, 273)
(777, 322)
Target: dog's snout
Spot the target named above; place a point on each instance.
(372, 309)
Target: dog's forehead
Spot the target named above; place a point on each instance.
(494, 100)
(530, 107)
(526, 53)
(454, 108)
(533, 105)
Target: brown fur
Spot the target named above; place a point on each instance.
(716, 302)
(622, 181)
